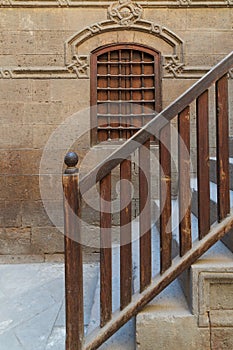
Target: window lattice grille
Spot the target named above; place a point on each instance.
(126, 95)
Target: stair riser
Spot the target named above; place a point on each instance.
(231, 146)
(170, 324)
(228, 238)
(213, 176)
(194, 207)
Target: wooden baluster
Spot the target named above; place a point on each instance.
(203, 164)
(105, 251)
(222, 147)
(145, 215)
(125, 233)
(184, 181)
(73, 255)
(165, 199)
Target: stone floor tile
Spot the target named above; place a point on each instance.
(56, 288)
(8, 341)
(32, 305)
(56, 340)
(60, 321)
(23, 277)
(34, 333)
(23, 308)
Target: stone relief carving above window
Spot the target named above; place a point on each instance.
(125, 12)
(122, 15)
(153, 29)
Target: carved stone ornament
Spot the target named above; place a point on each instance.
(230, 74)
(63, 2)
(184, 2)
(5, 3)
(5, 73)
(125, 12)
(173, 65)
(79, 65)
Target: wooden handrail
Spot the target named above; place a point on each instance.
(156, 124)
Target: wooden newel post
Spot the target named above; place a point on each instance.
(73, 255)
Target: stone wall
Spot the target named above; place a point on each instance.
(44, 78)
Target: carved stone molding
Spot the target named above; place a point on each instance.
(230, 74)
(125, 12)
(185, 2)
(37, 73)
(140, 25)
(77, 65)
(74, 72)
(5, 73)
(105, 3)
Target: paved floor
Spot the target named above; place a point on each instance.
(32, 313)
(32, 305)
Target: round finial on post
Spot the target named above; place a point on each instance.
(71, 160)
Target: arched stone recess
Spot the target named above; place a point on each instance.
(79, 46)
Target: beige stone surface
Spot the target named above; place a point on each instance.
(32, 109)
(47, 240)
(222, 339)
(21, 259)
(172, 332)
(15, 239)
(221, 295)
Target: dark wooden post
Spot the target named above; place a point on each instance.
(73, 255)
(203, 177)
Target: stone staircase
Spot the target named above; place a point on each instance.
(196, 310)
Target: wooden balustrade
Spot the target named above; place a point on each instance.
(189, 251)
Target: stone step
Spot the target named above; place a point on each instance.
(231, 146)
(194, 313)
(170, 317)
(213, 199)
(167, 323)
(228, 238)
(213, 176)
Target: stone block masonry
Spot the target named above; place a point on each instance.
(42, 83)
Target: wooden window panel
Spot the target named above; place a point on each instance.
(127, 73)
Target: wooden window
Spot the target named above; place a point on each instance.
(125, 90)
